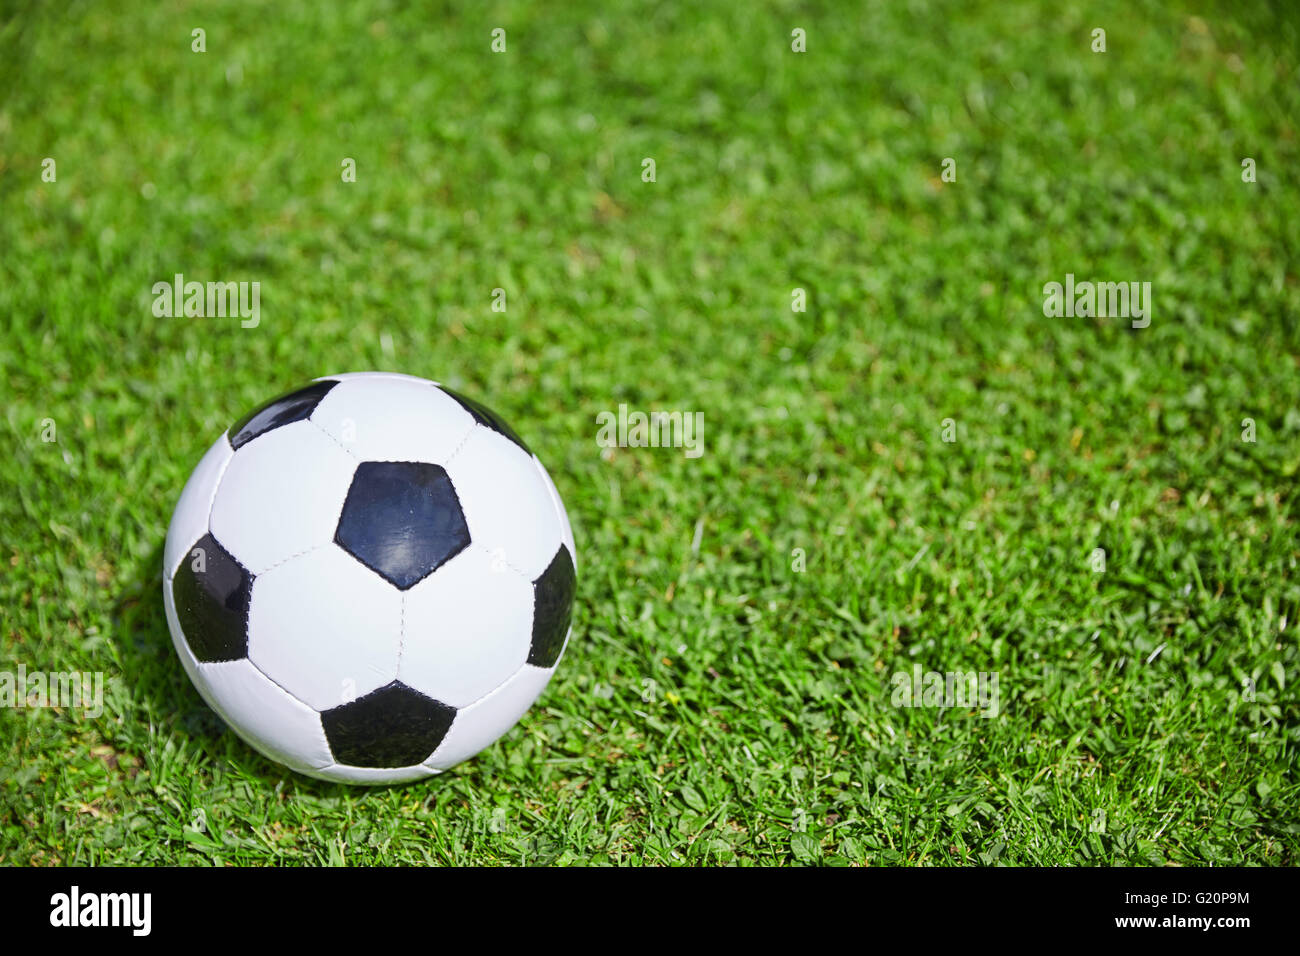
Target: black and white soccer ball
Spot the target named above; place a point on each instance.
(370, 578)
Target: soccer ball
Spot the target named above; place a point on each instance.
(369, 578)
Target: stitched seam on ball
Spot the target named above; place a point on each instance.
(491, 555)
(470, 431)
(522, 574)
(482, 697)
(314, 547)
(401, 635)
(346, 450)
(513, 674)
(216, 485)
(257, 667)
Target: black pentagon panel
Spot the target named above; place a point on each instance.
(552, 609)
(402, 520)
(486, 417)
(290, 407)
(211, 591)
(393, 726)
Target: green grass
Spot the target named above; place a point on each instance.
(768, 735)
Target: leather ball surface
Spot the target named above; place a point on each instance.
(370, 578)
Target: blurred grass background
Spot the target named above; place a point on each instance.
(716, 706)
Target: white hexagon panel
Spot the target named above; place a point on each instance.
(467, 628)
(275, 493)
(393, 419)
(303, 622)
(507, 504)
(371, 578)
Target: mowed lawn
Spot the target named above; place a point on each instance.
(919, 470)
